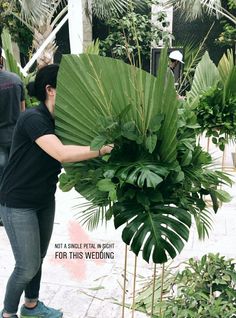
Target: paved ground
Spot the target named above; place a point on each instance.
(90, 288)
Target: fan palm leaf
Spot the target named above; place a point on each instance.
(227, 70)
(98, 86)
(205, 77)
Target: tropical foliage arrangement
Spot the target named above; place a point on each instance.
(155, 179)
(205, 288)
(213, 95)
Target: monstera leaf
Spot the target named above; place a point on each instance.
(159, 232)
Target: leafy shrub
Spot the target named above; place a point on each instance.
(206, 288)
(133, 33)
(218, 117)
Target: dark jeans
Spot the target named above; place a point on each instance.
(29, 232)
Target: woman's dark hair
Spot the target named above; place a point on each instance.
(47, 75)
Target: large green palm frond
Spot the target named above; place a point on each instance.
(205, 77)
(227, 70)
(97, 86)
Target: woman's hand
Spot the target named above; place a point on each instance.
(106, 149)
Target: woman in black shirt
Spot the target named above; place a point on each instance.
(27, 191)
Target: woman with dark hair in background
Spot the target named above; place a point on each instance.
(27, 202)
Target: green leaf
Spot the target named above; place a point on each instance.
(105, 185)
(124, 111)
(149, 178)
(129, 131)
(214, 200)
(157, 232)
(223, 196)
(113, 195)
(66, 182)
(155, 123)
(187, 158)
(98, 142)
(206, 75)
(109, 214)
(151, 142)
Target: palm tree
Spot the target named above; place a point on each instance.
(195, 8)
(39, 17)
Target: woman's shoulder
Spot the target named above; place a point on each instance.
(33, 111)
(28, 114)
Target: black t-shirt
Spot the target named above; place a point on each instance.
(11, 95)
(30, 177)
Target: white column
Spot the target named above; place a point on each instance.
(75, 11)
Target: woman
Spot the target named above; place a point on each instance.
(27, 191)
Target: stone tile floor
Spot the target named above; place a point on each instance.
(91, 288)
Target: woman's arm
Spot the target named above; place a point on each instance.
(68, 153)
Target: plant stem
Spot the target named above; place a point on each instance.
(124, 284)
(153, 289)
(134, 284)
(162, 288)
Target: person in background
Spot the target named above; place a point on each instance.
(27, 202)
(176, 57)
(11, 103)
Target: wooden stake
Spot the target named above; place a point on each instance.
(162, 287)
(134, 284)
(124, 284)
(153, 289)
